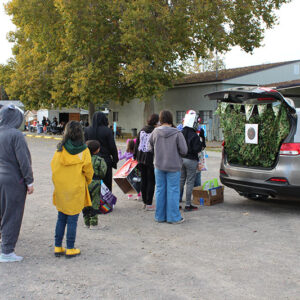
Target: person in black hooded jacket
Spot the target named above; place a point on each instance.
(190, 161)
(108, 150)
(145, 159)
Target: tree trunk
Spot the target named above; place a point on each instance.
(91, 112)
(148, 110)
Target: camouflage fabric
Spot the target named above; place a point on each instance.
(100, 168)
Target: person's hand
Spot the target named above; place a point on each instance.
(30, 189)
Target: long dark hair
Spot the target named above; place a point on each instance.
(153, 120)
(130, 146)
(165, 116)
(73, 131)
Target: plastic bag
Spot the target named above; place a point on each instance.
(202, 165)
(209, 184)
(107, 195)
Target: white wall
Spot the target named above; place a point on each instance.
(131, 115)
(42, 113)
(277, 74)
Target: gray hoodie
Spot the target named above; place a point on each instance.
(15, 159)
(168, 144)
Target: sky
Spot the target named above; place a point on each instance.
(281, 43)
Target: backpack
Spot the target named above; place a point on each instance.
(144, 142)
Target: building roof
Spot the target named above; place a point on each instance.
(226, 74)
(14, 102)
(285, 84)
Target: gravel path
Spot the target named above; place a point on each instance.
(237, 250)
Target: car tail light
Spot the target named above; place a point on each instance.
(266, 89)
(290, 149)
(266, 98)
(278, 180)
(222, 172)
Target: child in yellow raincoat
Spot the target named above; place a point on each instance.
(72, 172)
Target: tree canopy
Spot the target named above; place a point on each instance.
(75, 52)
(213, 62)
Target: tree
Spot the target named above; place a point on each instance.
(213, 62)
(84, 52)
(5, 77)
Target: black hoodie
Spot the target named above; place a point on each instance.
(193, 142)
(99, 131)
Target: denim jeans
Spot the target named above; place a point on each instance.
(198, 179)
(167, 196)
(188, 174)
(62, 221)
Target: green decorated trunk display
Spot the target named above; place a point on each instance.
(273, 128)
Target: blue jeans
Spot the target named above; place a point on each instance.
(62, 221)
(197, 179)
(167, 196)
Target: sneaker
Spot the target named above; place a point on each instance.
(129, 197)
(150, 208)
(190, 208)
(178, 222)
(59, 251)
(11, 257)
(94, 227)
(138, 197)
(72, 252)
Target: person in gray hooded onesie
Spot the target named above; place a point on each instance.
(16, 179)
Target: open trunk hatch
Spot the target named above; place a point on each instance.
(255, 122)
(251, 95)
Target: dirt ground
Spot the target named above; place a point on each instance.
(240, 249)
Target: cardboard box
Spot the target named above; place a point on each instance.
(128, 177)
(211, 197)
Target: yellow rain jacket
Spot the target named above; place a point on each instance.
(71, 175)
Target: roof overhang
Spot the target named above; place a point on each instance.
(288, 88)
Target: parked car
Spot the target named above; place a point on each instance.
(282, 179)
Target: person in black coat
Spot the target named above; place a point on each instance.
(145, 159)
(108, 150)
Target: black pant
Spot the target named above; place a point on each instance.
(108, 177)
(148, 183)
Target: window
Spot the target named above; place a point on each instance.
(179, 116)
(115, 116)
(205, 115)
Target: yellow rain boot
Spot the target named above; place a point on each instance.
(72, 252)
(59, 251)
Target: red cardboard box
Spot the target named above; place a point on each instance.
(128, 177)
